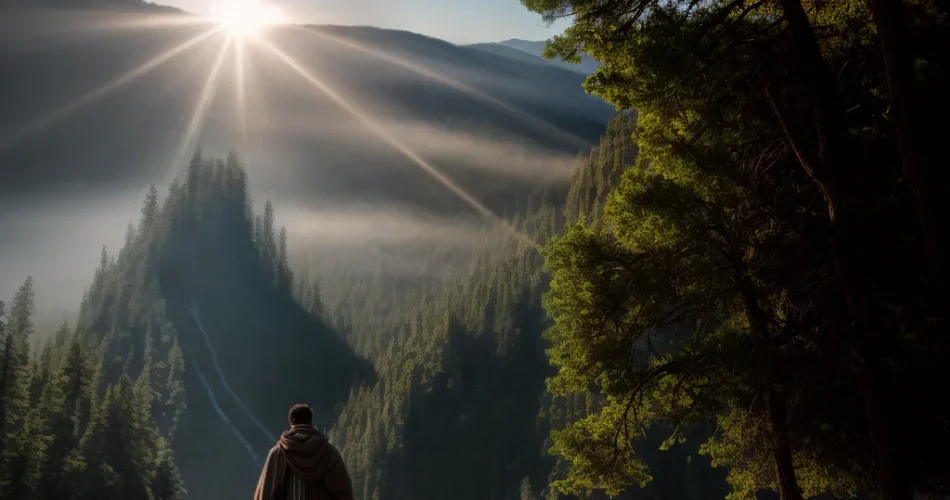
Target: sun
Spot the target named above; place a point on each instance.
(245, 17)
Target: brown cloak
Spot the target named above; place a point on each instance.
(304, 466)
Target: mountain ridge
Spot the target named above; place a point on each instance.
(505, 48)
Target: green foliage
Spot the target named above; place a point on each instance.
(737, 274)
(58, 441)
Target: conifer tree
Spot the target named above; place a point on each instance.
(129, 241)
(149, 210)
(193, 183)
(526, 493)
(270, 243)
(168, 484)
(65, 402)
(119, 452)
(315, 304)
(285, 278)
(174, 405)
(16, 376)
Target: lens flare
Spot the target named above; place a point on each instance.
(243, 18)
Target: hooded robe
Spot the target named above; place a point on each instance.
(304, 466)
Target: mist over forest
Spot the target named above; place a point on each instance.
(679, 251)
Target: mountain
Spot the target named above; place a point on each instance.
(200, 278)
(77, 111)
(516, 49)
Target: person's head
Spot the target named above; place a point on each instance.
(300, 414)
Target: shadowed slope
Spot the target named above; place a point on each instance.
(195, 277)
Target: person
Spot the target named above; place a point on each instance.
(304, 465)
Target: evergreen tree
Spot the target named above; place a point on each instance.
(168, 484)
(526, 493)
(270, 243)
(285, 277)
(16, 376)
(149, 210)
(193, 183)
(174, 405)
(315, 299)
(764, 95)
(120, 460)
(65, 402)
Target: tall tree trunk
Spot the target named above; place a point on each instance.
(827, 172)
(782, 449)
(918, 155)
(781, 446)
(893, 481)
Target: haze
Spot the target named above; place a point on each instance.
(84, 137)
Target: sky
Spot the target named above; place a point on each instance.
(456, 21)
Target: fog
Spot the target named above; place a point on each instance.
(101, 106)
(56, 236)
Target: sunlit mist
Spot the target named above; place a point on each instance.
(199, 114)
(385, 135)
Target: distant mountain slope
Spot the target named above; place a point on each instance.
(301, 142)
(536, 48)
(110, 6)
(521, 56)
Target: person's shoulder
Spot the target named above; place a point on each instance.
(273, 450)
(334, 452)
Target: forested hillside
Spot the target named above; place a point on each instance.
(460, 409)
(188, 352)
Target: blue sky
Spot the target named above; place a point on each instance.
(458, 21)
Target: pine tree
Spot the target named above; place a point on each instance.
(66, 401)
(119, 450)
(129, 241)
(149, 210)
(270, 243)
(193, 183)
(16, 377)
(168, 484)
(315, 305)
(62, 336)
(285, 277)
(43, 367)
(259, 233)
(174, 405)
(526, 492)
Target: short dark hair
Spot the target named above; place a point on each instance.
(300, 414)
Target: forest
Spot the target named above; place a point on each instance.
(742, 293)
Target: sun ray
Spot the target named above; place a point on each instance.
(40, 123)
(512, 111)
(46, 22)
(205, 99)
(383, 134)
(138, 22)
